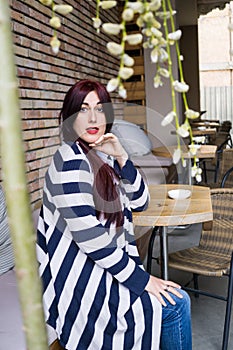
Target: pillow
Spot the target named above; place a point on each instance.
(132, 137)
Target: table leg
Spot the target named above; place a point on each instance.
(150, 248)
(164, 252)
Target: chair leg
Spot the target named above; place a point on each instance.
(150, 249)
(204, 171)
(196, 285)
(228, 308)
(216, 171)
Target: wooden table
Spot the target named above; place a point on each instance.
(163, 212)
(204, 132)
(210, 124)
(205, 151)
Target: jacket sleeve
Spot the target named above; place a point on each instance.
(68, 187)
(135, 187)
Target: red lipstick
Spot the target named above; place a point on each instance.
(92, 131)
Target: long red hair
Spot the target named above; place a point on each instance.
(106, 196)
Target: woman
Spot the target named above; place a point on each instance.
(97, 294)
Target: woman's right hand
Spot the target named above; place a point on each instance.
(159, 288)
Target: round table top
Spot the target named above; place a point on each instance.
(205, 151)
(164, 211)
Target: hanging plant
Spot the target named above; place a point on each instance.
(156, 32)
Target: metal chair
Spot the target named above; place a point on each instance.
(226, 145)
(222, 167)
(223, 141)
(213, 256)
(227, 179)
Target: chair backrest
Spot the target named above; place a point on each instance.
(226, 126)
(227, 180)
(226, 164)
(220, 238)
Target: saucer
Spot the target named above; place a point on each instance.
(179, 193)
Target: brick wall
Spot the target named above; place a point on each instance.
(44, 77)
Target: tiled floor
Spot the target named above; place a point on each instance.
(207, 313)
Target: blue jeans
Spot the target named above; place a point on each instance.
(176, 331)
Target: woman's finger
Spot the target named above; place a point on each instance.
(174, 291)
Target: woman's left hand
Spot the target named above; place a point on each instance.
(109, 144)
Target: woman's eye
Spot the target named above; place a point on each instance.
(99, 109)
(84, 110)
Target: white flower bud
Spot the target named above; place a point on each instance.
(193, 149)
(147, 32)
(96, 22)
(128, 14)
(63, 9)
(196, 172)
(137, 6)
(163, 55)
(157, 81)
(165, 15)
(192, 114)
(46, 2)
(134, 39)
(112, 84)
(114, 48)
(183, 130)
(168, 119)
(199, 139)
(164, 72)
(55, 44)
(126, 72)
(198, 178)
(154, 42)
(128, 61)
(122, 92)
(176, 156)
(155, 5)
(193, 171)
(140, 22)
(148, 17)
(154, 55)
(146, 45)
(107, 4)
(111, 28)
(180, 86)
(175, 35)
(55, 22)
(156, 32)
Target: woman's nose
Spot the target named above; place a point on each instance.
(92, 116)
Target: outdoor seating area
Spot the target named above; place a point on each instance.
(211, 255)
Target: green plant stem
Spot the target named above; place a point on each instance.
(170, 72)
(20, 218)
(178, 54)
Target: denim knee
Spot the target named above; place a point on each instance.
(176, 333)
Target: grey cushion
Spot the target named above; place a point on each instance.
(150, 160)
(132, 137)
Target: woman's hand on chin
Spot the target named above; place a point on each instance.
(109, 144)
